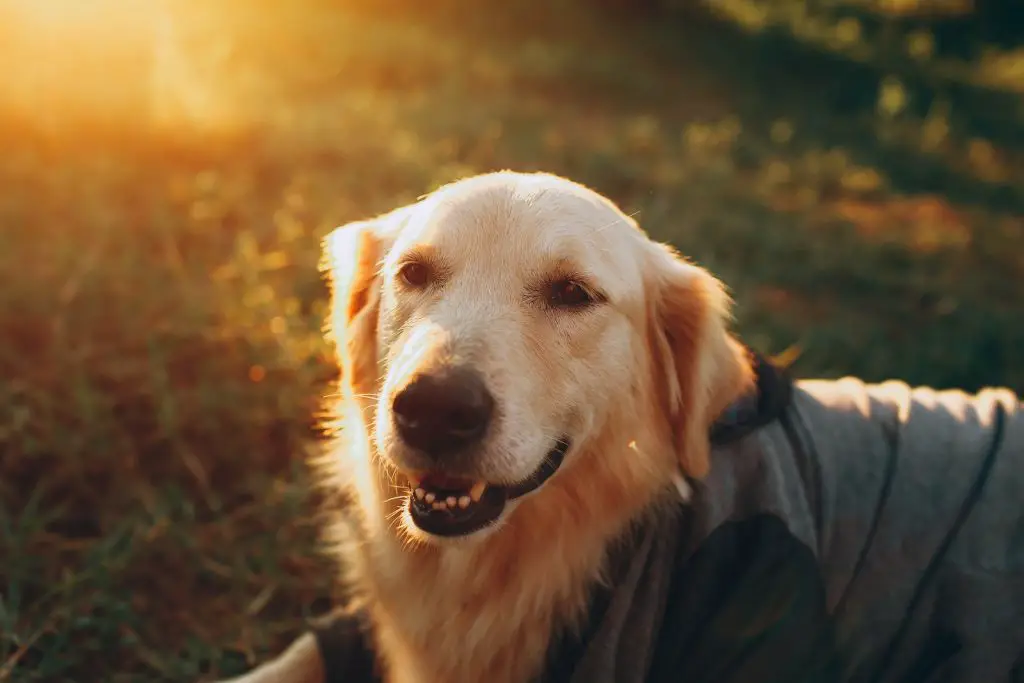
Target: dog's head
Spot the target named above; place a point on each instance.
(509, 329)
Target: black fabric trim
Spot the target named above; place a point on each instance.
(346, 650)
(773, 392)
(1017, 672)
(810, 473)
(936, 653)
(747, 605)
(933, 566)
(893, 438)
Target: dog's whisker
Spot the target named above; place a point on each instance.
(614, 222)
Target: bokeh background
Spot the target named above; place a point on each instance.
(853, 169)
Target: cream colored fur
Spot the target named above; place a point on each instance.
(635, 381)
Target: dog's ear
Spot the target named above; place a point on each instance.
(352, 257)
(703, 368)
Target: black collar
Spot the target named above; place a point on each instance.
(773, 389)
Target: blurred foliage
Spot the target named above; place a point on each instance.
(931, 89)
(163, 194)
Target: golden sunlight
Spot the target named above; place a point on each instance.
(112, 61)
(90, 24)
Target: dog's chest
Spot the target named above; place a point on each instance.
(470, 620)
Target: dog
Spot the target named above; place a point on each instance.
(562, 465)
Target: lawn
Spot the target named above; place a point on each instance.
(162, 370)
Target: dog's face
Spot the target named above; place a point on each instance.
(496, 327)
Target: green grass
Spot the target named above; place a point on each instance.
(160, 308)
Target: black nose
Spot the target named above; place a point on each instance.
(443, 412)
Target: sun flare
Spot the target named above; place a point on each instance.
(116, 61)
(82, 20)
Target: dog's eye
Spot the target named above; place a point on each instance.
(569, 294)
(414, 274)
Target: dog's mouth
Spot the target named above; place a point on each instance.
(452, 506)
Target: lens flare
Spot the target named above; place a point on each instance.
(119, 62)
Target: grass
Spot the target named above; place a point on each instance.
(160, 306)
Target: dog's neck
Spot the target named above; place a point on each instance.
(488, 609)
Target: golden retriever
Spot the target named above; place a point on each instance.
(525, 373)
(526, 377)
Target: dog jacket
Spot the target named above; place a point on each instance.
(846, 533)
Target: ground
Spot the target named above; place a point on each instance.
(161, 307)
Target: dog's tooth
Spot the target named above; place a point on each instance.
(430, 497)
(477, 491)
(452, 501)
(420, 493)
(464, 502)
(438, 506)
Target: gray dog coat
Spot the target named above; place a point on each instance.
(846, 533)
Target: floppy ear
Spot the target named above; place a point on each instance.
(352, 258)
(705, 368)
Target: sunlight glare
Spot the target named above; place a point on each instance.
(115, 61)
